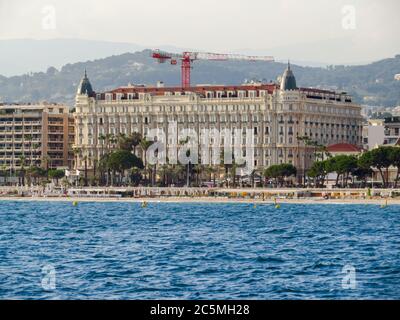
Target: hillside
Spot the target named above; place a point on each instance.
(372, 84)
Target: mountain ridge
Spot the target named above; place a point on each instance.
(372, 84)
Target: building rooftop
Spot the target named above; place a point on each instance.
(85, 87)
(343, 147)
(392, 120)
(197, 89)
(227, 91)
(288, 81)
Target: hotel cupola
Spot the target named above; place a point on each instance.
(288, 81)
(85, 87)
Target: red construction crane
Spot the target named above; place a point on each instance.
(188, 57)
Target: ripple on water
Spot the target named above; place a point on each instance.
(198, 251)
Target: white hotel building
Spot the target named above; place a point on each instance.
(277, 114)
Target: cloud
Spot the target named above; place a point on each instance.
(208, 24)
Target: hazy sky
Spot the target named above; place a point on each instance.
(327, 30)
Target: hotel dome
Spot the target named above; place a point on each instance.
(85, 87)
(288, 81)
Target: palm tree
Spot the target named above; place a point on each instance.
(95, 162)
(188, 166)
(29, 138)
(36, 146)
(112, 141)
(145, 145)
(177, 172)
(135, 173)
(102, 138)
(22, 160)
(4, 169)
(136, 138)
(46, 163)
(85, 158)
(252, 176)
(123, 141)
(76, 151)
(211, 171)
(233, 170)
(165, 171)
(198, 169)
(307, 143)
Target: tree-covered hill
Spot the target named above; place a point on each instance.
(372, 84)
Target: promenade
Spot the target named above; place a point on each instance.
(137, 194)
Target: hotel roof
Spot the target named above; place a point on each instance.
(343, 147)
(196, 89)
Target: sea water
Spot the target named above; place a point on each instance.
(54, 250)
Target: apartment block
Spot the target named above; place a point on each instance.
(42, 134)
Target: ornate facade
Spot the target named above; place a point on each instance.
(278, 115)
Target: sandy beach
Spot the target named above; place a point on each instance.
(206, 200)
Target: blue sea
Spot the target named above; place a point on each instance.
(52, 250)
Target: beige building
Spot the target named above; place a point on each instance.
(277, 114)
(392, 130)
(42, 134)
(373, 134)
(379, 132)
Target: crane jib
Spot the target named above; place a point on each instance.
(188, 57)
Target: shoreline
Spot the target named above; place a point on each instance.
(203, 200)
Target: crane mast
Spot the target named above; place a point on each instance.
(187, 59)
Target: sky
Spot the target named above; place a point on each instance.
(331, 31)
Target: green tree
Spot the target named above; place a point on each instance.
(145, 145)
(4, 172)
(135, 175)
(188, 165)
(343, 165)
(56, 174)
(129, 142)
(395, 161)
(37, 173)
(122, 160)
(318, 172)
(382, 160)
(22, 171)
(102, 139)
(136, 138)
(211, 171)
(280, 172)
(124, 142)
(364, 167)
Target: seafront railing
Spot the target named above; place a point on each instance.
(183, 192)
